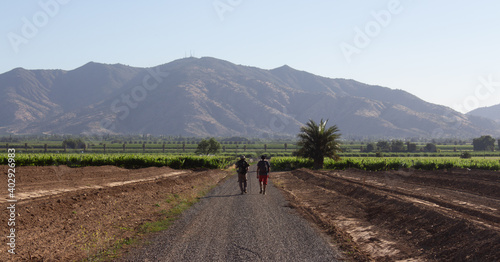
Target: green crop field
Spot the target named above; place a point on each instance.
(178, 152)
(120, 160)
(278, 163)
(378, 164)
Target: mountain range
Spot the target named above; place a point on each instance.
(212, 97)
(491, 112)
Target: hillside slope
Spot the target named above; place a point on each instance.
(490, 112)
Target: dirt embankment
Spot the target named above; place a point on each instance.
(451, 215)
(68, 214)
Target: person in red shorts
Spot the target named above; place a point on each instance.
(263, 169)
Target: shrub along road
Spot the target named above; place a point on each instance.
(227, 226)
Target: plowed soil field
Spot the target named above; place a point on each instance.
(71, 214)
(409, 215)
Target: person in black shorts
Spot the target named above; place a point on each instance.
(242, 169)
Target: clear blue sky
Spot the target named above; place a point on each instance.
(437, 50)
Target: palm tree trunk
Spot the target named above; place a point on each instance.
(318, 163)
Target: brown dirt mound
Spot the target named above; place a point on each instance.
(400, 215)
(82, 211)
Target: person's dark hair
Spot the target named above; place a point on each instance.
(263, 157)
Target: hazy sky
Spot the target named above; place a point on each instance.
(445, 52)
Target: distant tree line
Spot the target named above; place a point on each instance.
(73, 143)
(483, 143)
(397, 146)
(9, 139)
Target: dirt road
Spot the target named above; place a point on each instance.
(227, 226)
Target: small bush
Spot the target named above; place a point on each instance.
(466, 154)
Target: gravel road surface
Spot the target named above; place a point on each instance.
(228, 226)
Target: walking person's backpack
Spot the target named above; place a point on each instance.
(241, 168)
(263, 166)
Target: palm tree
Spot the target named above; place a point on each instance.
(317, 141)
